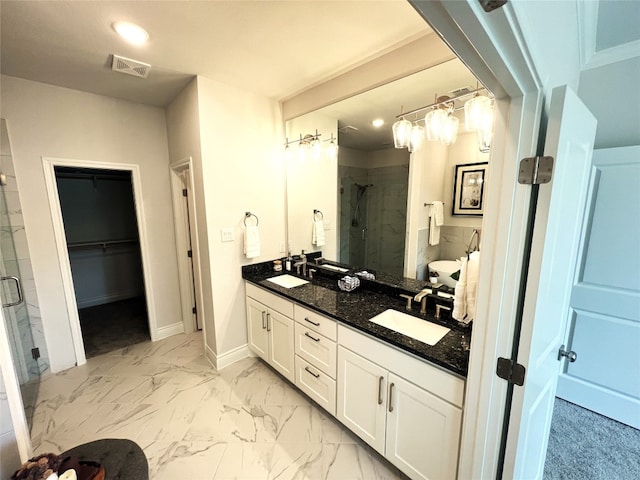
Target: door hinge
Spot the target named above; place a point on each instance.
(189, 253)
(35, 353)
(535, 170)
(184, 192)
(194, 310)
(491, 5)
(510, 371)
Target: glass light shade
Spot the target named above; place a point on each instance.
(478, 113)
(332, 150)
(449, 132)
(316, 149)
(417, 138)
(434, 122)
(484, 140)
(401, 133)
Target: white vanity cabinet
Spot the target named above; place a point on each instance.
(316, 356)
(406, 409)
(270, 329)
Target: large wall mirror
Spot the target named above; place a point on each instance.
(375, 200)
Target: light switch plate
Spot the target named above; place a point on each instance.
(226, 234)
(327, 224)
(282, 250)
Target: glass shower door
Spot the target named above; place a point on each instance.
(16, 315)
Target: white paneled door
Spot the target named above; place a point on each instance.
(604, 328)
(556, 240)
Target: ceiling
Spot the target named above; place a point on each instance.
(273, 48)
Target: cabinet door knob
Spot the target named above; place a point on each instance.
(380, 379)
(389, 400)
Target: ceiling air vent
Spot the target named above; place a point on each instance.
(460, 91)
(130, 67)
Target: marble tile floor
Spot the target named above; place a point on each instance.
(243, 422)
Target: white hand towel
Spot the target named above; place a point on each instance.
(317, 234)
(437, 219)
(251, 241)
(472, 284)
(460, 297)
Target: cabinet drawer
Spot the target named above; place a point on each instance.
(316, 384)
(271, 300)
(316, 349)
(316, 322)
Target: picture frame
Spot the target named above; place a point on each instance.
(469, 182)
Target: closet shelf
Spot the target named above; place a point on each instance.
(104, 245)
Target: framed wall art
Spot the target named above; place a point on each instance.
(469, 184)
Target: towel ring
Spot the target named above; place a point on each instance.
(317, 212)
(249, 215)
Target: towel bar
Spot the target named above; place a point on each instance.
(249, 215)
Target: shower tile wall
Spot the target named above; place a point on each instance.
(387, 218)
(15, 225)
(454, 240)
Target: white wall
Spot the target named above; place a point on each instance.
(243, 170)
(312, 184)
(616, 105)
(464, 151)
(50, 121)
(183, 132)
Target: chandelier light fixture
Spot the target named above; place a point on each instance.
(441, 125)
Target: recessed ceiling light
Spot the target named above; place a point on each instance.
(131, 32)
(378, 122)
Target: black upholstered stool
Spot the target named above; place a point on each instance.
(121, 459)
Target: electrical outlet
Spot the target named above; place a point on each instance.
(226, 234)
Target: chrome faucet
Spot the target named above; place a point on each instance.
(421, 297)
(301, 263)
(475, 235)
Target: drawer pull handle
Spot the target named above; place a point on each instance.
(268, 318)
(311, 322)
(380, 390)
(263, 321)
(306, 334)
(390, 399)
(317, 375)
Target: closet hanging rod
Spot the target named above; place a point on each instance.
(105, 244)
(90, 176)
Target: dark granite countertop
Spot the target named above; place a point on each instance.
(358, 307)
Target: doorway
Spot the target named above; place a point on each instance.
(182, 187)
(101, 231)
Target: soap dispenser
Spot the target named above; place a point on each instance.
(288, 261)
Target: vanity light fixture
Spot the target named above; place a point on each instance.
(310, 147)
(132, 33)
(441, 125)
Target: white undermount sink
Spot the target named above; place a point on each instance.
(411, 326)
(287, 281)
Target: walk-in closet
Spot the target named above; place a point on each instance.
(99, 214)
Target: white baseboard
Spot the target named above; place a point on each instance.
(168, 331)
(102, 299)
(225, 359)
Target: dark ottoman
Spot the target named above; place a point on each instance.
(121, 459)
